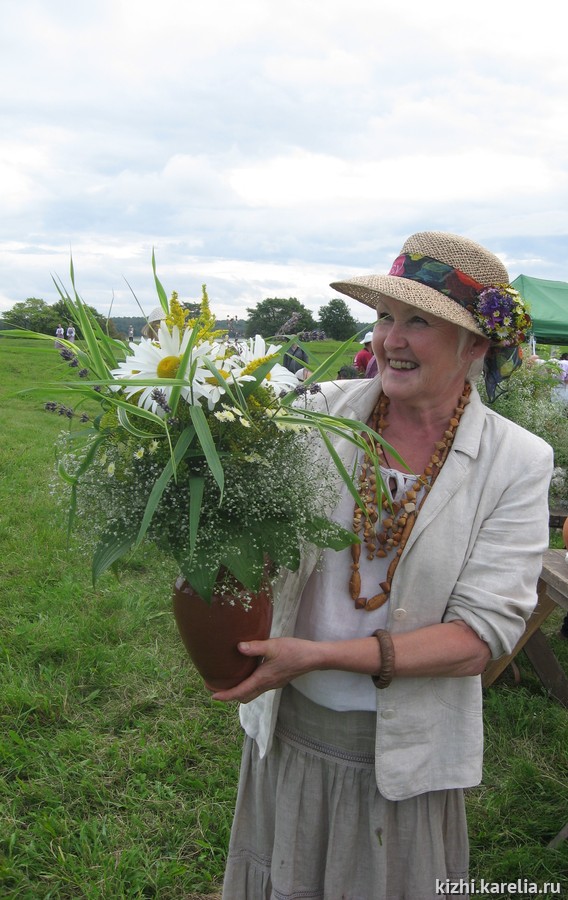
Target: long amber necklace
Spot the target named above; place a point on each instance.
(400, 515)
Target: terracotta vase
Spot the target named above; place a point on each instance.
(565, 533)
(211, 631)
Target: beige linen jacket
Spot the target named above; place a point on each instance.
(474, 554)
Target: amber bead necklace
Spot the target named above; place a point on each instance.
(400, 515)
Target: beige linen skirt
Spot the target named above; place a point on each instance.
(310, 822)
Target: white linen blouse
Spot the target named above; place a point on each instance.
(327, 612)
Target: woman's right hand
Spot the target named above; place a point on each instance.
(282, 659)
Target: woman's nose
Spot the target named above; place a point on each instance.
(395, 337)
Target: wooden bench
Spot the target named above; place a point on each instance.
(557, 516)
(552, 592)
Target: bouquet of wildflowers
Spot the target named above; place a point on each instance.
(201, 446)
(502, 315)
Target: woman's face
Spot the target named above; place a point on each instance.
(422, 359)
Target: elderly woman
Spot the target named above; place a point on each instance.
(364, 721)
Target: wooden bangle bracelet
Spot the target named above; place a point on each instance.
(386, 672)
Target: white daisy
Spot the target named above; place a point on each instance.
(255, 349)
(231, 369)
(281, 378)
(234, 410)
(162, 359)
(225, 415)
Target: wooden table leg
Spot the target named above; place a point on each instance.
(561, 836)
(540, 613)
(547, 666)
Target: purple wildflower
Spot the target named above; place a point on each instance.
(159, 397)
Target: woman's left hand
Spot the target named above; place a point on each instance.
(282, 660)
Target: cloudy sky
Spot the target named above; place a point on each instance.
(267, 147)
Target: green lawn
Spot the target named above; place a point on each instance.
(118, 773)
(322, 350)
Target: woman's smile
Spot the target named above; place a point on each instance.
(402, 364)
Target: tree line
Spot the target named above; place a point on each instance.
(267, 318)
(34, 314)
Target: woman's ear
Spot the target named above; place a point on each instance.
(479, 346)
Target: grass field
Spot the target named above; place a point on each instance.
(117, 772)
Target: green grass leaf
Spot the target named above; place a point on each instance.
(207, 443)
(196, 489)
(112, 547)
(162, 296)
(182, 445)
(324, 533)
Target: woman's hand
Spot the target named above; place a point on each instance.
(282, 660)
(450, 649)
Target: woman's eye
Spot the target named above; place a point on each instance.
(383, 317)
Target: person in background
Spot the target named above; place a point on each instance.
(294, 356)
(294, 360)
(130, 332)
(372, 368)
(348, 372)
(560, 391)
(363, 720)
(70, 334)
(150, 329)
(364, 356)
(59, 335)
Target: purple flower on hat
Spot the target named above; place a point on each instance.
(502, 315)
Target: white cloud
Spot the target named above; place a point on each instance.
(22, 165)
(269, 148)
(304, 178)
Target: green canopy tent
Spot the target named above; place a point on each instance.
(548, 306)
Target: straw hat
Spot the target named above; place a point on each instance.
(437, 272)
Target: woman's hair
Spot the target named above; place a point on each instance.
(465, 338)
(476, 368)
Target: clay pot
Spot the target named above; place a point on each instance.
(211, 631)
(565, 533)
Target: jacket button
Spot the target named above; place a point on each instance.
(388, 713)
(399, 614)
